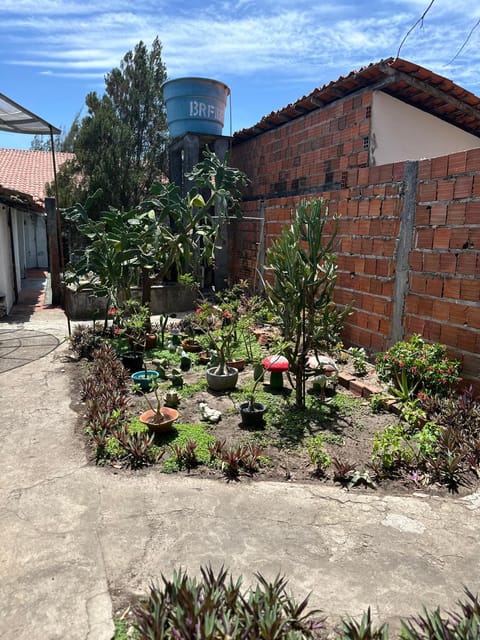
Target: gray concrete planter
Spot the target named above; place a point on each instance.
(165, 298)
(226, 382)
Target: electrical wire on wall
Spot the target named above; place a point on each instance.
(259, 263)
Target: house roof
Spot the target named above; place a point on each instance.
(401, 79)
(27, 172)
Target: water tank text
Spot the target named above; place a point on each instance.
(205, 110)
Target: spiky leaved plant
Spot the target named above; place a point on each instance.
(299, 287)
(215, 607)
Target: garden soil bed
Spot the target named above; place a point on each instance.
(348, 433)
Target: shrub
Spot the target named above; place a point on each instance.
(425, 367)
(85, 340)
(215, 607)
(426, 440)
(181, 454)
(104, 390)
(432, 624)
(390, 446)
(378, 402)
(359, 360)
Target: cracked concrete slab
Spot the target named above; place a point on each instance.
(73, 534)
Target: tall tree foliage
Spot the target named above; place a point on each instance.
(121, 144)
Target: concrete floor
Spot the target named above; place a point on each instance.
(74, 534)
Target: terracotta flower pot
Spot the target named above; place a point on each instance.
(191, 346)
(239, 365)
(150, 340)
(150, 418)
(203, 357)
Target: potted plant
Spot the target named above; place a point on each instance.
(252, 412)
(190, 344)
(145, 378)
(157, 417)
(220, 334)
(136, 326)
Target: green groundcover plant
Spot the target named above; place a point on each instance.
(422, 366)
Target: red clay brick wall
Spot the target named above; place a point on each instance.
(368, 224)
(311, 153)
(369, 218)
(443, 297)
(443, 303)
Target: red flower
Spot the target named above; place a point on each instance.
(112, 312)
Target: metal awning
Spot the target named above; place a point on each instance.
(17, 119)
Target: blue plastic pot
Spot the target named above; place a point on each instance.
(144, 379)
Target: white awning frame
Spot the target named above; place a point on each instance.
(17, 119)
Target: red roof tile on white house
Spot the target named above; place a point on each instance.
(28, 171)
(401, 79)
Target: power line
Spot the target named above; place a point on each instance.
(420, 20)
(464, 44)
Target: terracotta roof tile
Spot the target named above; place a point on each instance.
(28, 171)
(402, 79)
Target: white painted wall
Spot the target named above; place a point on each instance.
(402, 132)
(7, 293)
(30, 249)
(21, 252)
(41, 241)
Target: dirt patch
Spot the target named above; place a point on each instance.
(345, 421)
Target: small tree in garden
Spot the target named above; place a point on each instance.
(303, 269)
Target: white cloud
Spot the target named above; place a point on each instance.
(238, 37)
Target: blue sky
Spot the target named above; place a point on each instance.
(269, 52)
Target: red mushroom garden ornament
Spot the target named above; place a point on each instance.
(276, 365)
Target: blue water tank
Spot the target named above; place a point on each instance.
(195, 105)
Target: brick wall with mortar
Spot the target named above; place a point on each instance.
(443, 300)
(322, 154)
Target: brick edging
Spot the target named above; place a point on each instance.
(357, 386)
